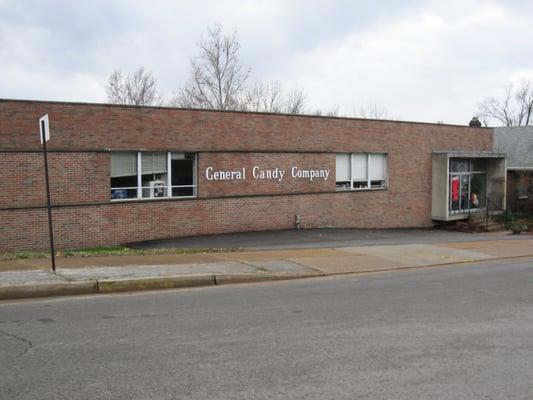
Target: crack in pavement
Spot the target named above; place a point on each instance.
(28, 342)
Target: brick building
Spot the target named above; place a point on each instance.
(121, 174)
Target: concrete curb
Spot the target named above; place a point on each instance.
(37, 289)
(154, 283)
(120, 285)
(244, 278)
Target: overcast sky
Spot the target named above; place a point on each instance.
(421, 60)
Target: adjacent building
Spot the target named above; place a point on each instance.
(122, 174)
(517, 144)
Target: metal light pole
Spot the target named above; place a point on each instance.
(45, 136)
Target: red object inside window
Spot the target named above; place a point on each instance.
(455, 188)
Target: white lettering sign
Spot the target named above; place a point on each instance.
(310, 173)
(258, 173)
(275, 173)
(212, 175)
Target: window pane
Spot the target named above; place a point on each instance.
(182, 191)
(123, 164)
(377, 184)
(478, 165)
(153, 163)
(154, 188)
(154, 175)
(182, 172)
(123, 193)
(342, 167)
(455, 186)
(377, 167)
(458, 165)
(182, 168)
(123, 175)
(478, 184)
(360, 185)
(359, 167)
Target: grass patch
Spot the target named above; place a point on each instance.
(107, 251)
(98, 252)
(23, 255)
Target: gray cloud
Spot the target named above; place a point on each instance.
(423, 60)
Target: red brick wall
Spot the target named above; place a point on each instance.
(82, 176)
(264, 161)
(126, 222)
(89, 127)
(76, 178)
(520, 182)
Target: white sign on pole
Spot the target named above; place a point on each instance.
(44, 125)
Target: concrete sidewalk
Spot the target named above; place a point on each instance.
(83, 275)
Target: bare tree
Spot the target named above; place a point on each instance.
(372, 111)
(139, 88)
(217, 77)
(218, 81)
(270, 97)
(514, 109)
(295, 103)
(500, 110)
(264, 97)
(333, 112)
(524, 98)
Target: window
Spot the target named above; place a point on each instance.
(468, 184)
(154, 175)
(361, 171)
(124, 176)
(342, 168)
(149, 175)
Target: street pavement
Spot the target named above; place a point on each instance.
(446, 333)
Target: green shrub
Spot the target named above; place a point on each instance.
(517, 227)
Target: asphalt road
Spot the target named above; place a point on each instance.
(449, 333)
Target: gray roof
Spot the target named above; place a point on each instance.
(517, 143)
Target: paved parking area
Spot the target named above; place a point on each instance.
(323, 238)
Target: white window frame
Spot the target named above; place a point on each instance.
(168, 187)
(368, 156)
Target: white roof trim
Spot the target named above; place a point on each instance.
(520, 168)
